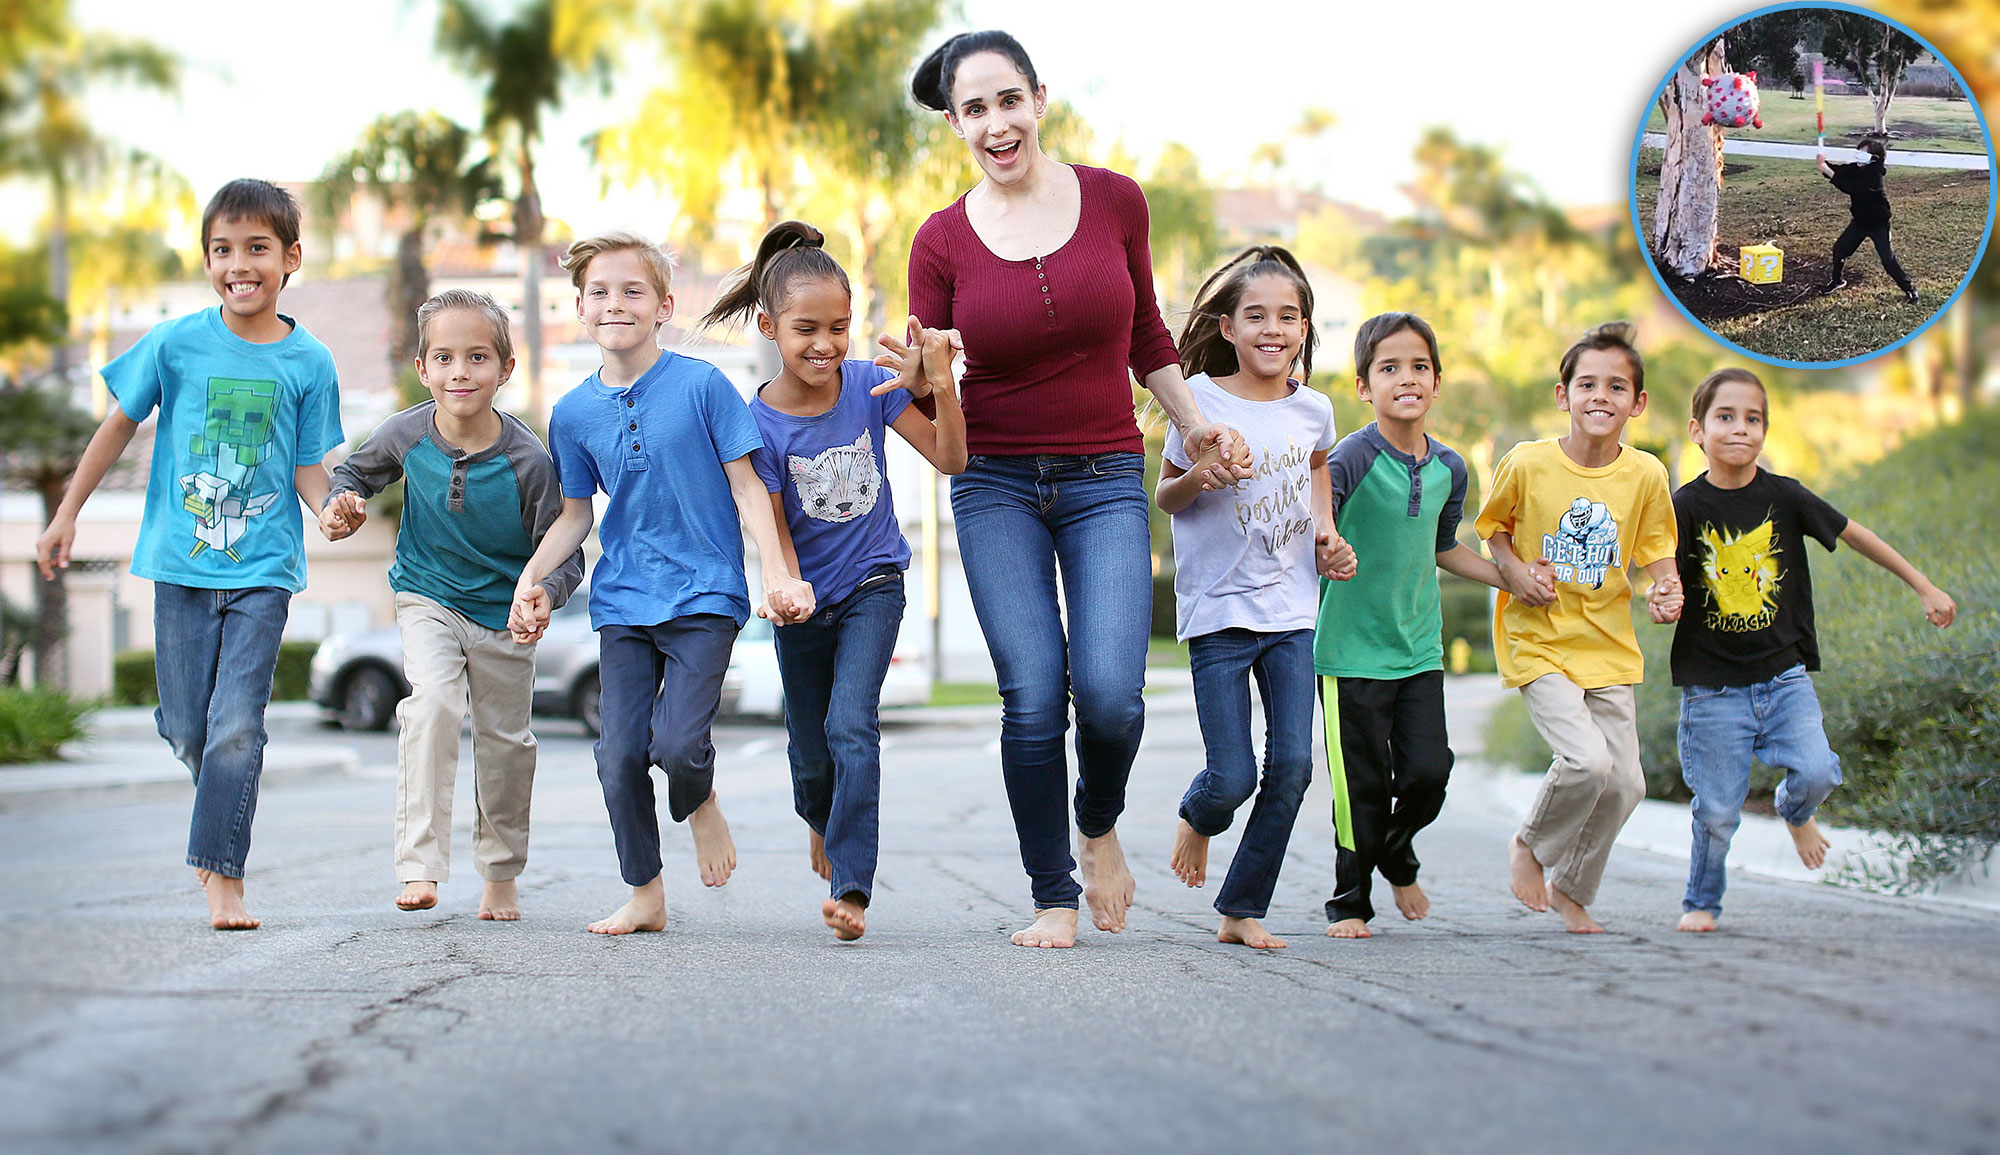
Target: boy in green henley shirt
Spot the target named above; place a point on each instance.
(1398, 494)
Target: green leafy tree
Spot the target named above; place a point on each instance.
(1876, 52)
(425, 164)
(527, 59)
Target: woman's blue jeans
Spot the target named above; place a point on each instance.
(216, 652)
(832, 665)
(1021, 521)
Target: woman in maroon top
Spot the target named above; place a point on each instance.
(1045, 270)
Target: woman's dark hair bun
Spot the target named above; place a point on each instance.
(930, 85)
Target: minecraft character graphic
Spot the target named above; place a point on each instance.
(238, 434)
(1585, 544)
(1742, 576)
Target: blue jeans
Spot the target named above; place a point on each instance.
(1020, 520)
(1722, 728)
(1222, 663)
(215, 653)
(832, 665)
(662, 686)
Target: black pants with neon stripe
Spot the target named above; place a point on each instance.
(1389, 759)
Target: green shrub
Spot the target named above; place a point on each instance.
(132, 681)
(35, 723)
(1164, 606)
(1913, 711)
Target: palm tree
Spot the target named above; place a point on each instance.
(46, 138)
(421, 163)
(526, 60)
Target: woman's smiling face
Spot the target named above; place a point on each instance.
(996, 112)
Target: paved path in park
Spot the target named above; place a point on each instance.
(1733, 146)
(1820, 1020)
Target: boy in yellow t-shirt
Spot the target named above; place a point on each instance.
(1583, 507)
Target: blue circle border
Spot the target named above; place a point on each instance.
(1643, 235)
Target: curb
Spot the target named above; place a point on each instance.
(138, 771)
(1762, 846)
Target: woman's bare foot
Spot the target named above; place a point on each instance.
(1249, 932)
(419, 895)
(1526, 875)
(1107, 883)
(816, 852)
(1698, 921)
(1190, 858)
(1811, 843)
(1576, 920)
(500, 901)
(646, 911)
(225, 902)
(1348, 928)
(1053, 926)
(714, 850)
(849, 919)
(1411, 900)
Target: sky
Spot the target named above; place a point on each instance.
(1558, 86)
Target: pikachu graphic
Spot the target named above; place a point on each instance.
(1742, 575)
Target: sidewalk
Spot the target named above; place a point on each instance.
(1911, 158)
(124, 756)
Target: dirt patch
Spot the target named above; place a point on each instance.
(1729, 169)
(1719, 296)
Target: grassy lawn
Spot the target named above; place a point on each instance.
(1929, 123)
(1939, 216)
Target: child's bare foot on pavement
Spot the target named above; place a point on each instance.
(1054, 926)
(225, 903)
(500, 902)
(1576, 920)
(1107, 883)
(1348, 928)
(419, 895)
(1811, 843)
(1411, 900)
(646, 911)
(1190, 858)
(1698, 921)
(714, 849)
(816, 851)
(1249, 932)
(1526, 875)
(848, 918)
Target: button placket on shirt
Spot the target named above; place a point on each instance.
(1042, 285)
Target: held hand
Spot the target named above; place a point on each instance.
(786, 601)
(1219, 453)
(941, 348)
(528, 617)
(1939, 609)
(1335, 557)
(1530, 583)
(905, 357)
(52, 548)
(1664, 601)
(342, 515)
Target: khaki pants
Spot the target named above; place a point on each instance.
(455, 664)
(1593, 785)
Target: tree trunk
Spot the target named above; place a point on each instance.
(409, 288)
(51, 608)
(528, 241)
(59, 279)
(1685, 215)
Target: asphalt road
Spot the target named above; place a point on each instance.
(1820, 1020)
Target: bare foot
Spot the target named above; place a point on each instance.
(1348, 928)
(1698, 921)
(816, 851)
(849, 919)
(1411, 900)
(500, 902)
(419, 895)
(1107, 884)
(1576, 920)
(1190, 857)
(225, 902)
(1811, 842)
(646, 911)
(1053, 926)
(714, 850)
(1247, 931)
(1526, 875)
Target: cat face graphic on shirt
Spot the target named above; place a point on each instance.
(840, 483)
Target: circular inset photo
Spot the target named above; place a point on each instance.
(1813, 184)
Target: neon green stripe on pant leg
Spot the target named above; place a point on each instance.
(1336, 766)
